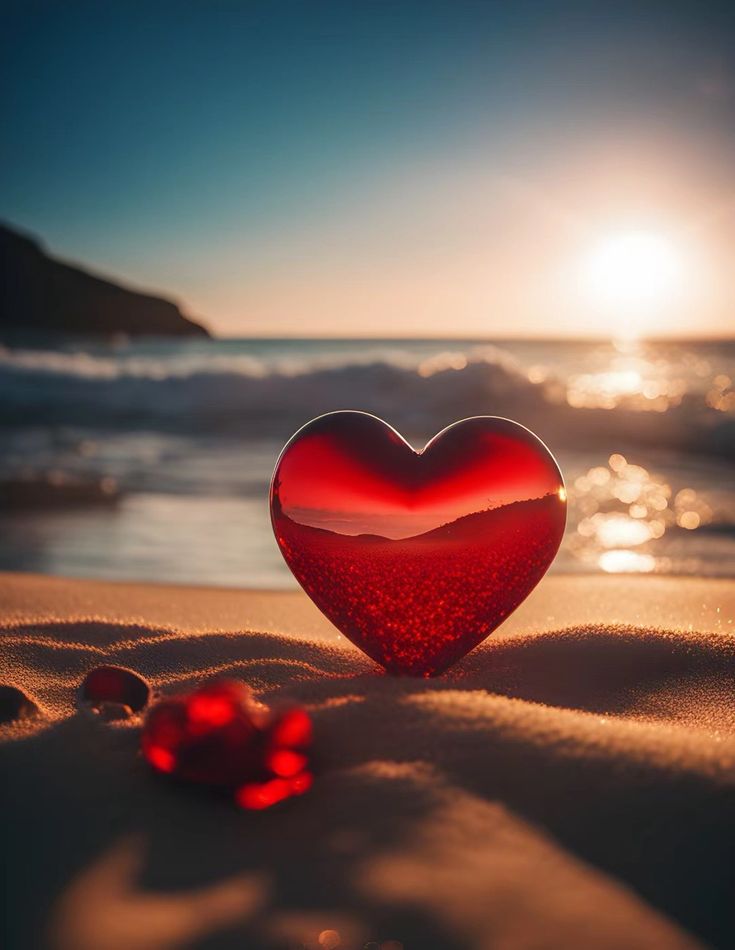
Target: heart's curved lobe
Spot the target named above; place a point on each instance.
(417, 556)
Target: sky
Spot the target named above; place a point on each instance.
(372, 169)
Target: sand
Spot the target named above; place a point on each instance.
(570, 784)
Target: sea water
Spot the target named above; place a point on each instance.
(151, 461)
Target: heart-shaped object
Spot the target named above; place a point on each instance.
(417, 556)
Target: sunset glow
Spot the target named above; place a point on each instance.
(634, 270)
(401, 203)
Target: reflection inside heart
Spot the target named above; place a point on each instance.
(417, 556)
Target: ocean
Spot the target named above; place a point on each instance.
(151, 460)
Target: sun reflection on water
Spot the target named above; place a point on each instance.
(626, 562)
(721, 395)
(639, 377)
(621, 510)
(628, 383)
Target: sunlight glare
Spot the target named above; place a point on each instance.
(626, 562)
(632, 272)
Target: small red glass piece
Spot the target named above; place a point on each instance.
(285, 763)
(292, 728)
(219, 736)
(417, 556)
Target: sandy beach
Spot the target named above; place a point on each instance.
(333, 339)
(571, 783)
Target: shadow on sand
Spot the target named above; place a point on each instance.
(604, 747)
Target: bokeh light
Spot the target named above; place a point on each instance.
(620, 512)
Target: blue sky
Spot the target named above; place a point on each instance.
(343, 168)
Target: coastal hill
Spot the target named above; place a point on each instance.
(467, 529)
(42, 296)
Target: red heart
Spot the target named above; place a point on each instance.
(417, 556)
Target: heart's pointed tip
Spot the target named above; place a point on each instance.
(424, 671)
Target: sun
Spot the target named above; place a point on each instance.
(632, 273)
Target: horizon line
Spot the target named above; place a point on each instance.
(440, 337)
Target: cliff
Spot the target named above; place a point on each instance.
(43, 296)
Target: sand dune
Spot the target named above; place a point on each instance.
(570, 784)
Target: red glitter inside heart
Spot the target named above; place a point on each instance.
(417, 556)
(219, 736)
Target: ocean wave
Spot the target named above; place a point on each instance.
(185, 364)
(201, 388)
(238, 394)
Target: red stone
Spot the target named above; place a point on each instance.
(417, 556)
(219, 736)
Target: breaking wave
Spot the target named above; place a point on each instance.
(228, 393)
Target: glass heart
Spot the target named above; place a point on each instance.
(417, 556)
